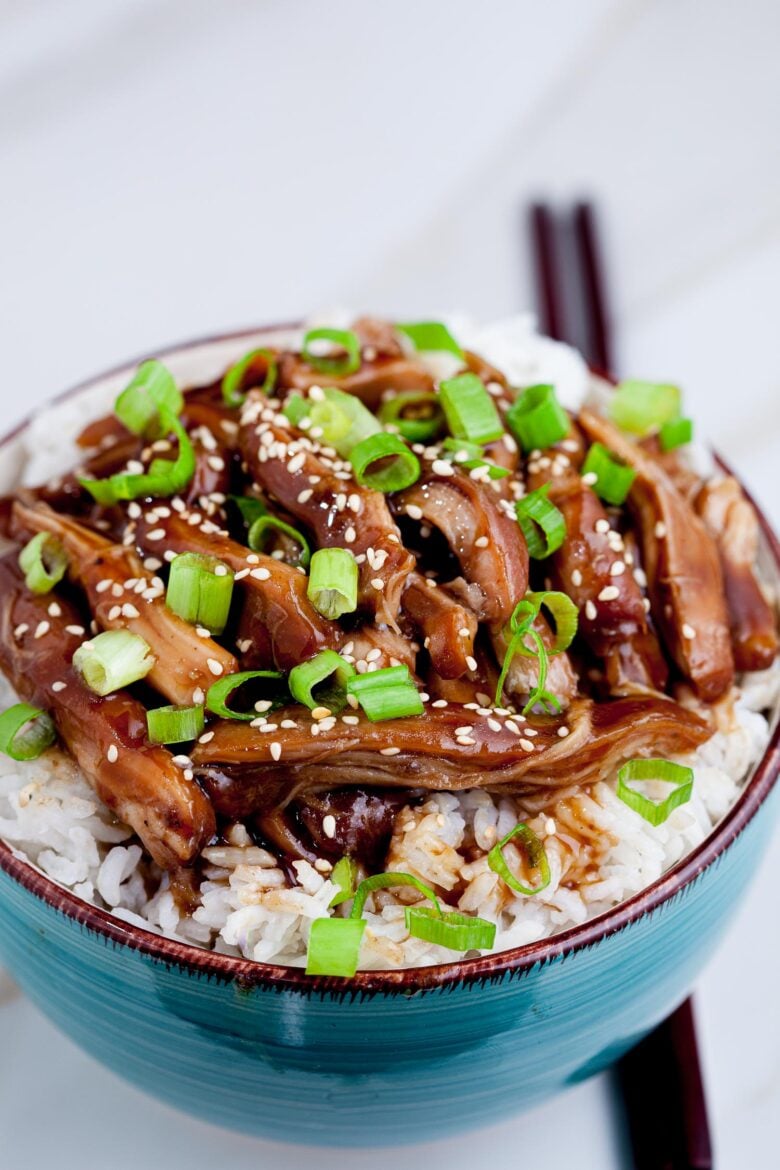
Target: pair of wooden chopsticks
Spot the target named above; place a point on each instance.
(660, 1079)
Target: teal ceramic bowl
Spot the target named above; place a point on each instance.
(387, 1057)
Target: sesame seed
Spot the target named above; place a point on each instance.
(442, 467)
(198, 696)
(206, 737)
(609, 593)
(103, 585)
(58, 686)
(157, 533)
(510, 726)
(350, 720)
(296, 463)
(660, 530)
(439, 703)
(288, 724)
(377, 583)
(202, 632)
(549, 827)
(390, 751)
(181, 761)
(112, 755)
(152, 564)
(466, 741)
(321, 713)
(602, 525)
(350, 536)
(305, 495)
(214, 666)
(21, 629)
(114, 612)
(526, 745)
(41, 629)
(54, 610)
(133, 510)
(576, 578)
(688, 631)
(329, 825)
(563, 732)
(353, 503)
(374, 654)
(471, 662)
(216, 462)
(466, 730)
(414, 512)
(617, 568)
(117, 590)
(260, 574)
(252, 559)
(188, 774)
(494, 725)
(590, 478)
(482, 542)
(129, 611)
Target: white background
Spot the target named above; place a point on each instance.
(172, 168)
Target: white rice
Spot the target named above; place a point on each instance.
(600, 852)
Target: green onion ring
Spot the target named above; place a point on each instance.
(174, 724)
(641, 407)
(613, 479)
(470, 411)
(262, 530)
(415, 427)
(165, 477)
(676, 433)
(334, 946)
(431, 337)
(234, 379)
(537, 419)
(654, 769)
(333, 582)
(199, 590)
(338, 366)
(399, 467)
(43, 561)
(535, 853)
(543, 525)
(344, 875)
(307, 675)
(25, 732)
(384, 694)
(112, 660)
(458, 932)
(219, 692)
(151, 392)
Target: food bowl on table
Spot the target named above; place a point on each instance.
(397, 1052)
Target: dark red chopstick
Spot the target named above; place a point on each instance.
(660, 1079)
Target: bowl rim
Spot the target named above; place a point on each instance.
(515, 961)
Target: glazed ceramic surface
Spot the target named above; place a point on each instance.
(387, 1057)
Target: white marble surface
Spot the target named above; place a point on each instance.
(171, 168)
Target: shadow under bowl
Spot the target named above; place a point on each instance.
(387, 1057)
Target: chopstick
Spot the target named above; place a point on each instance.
(660, 1079)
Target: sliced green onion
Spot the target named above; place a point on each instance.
(308, 675)
(471, 455)
(333, 582)
(459, 932)
(25, 732)
(249, 507)
(676, 433)
(334, 946)
(329, 364)
(219, 692)
(174, 724)
(535, 856)
(543, 525)
(165, 477)
(344, 875)
(386, 881)
(656, 812)
(262, 531)
(416, 415)
(537, 419)
(431, 337)
(233, 380)
(43, 561)
(199, 590)
(341, 418)
(362, 422)
(613, 479)
(151, 392)
(113, 659)
(564, 613)
(386, 694)
(470, 411)
(385, 463)
(295, 408)
(641, 407)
